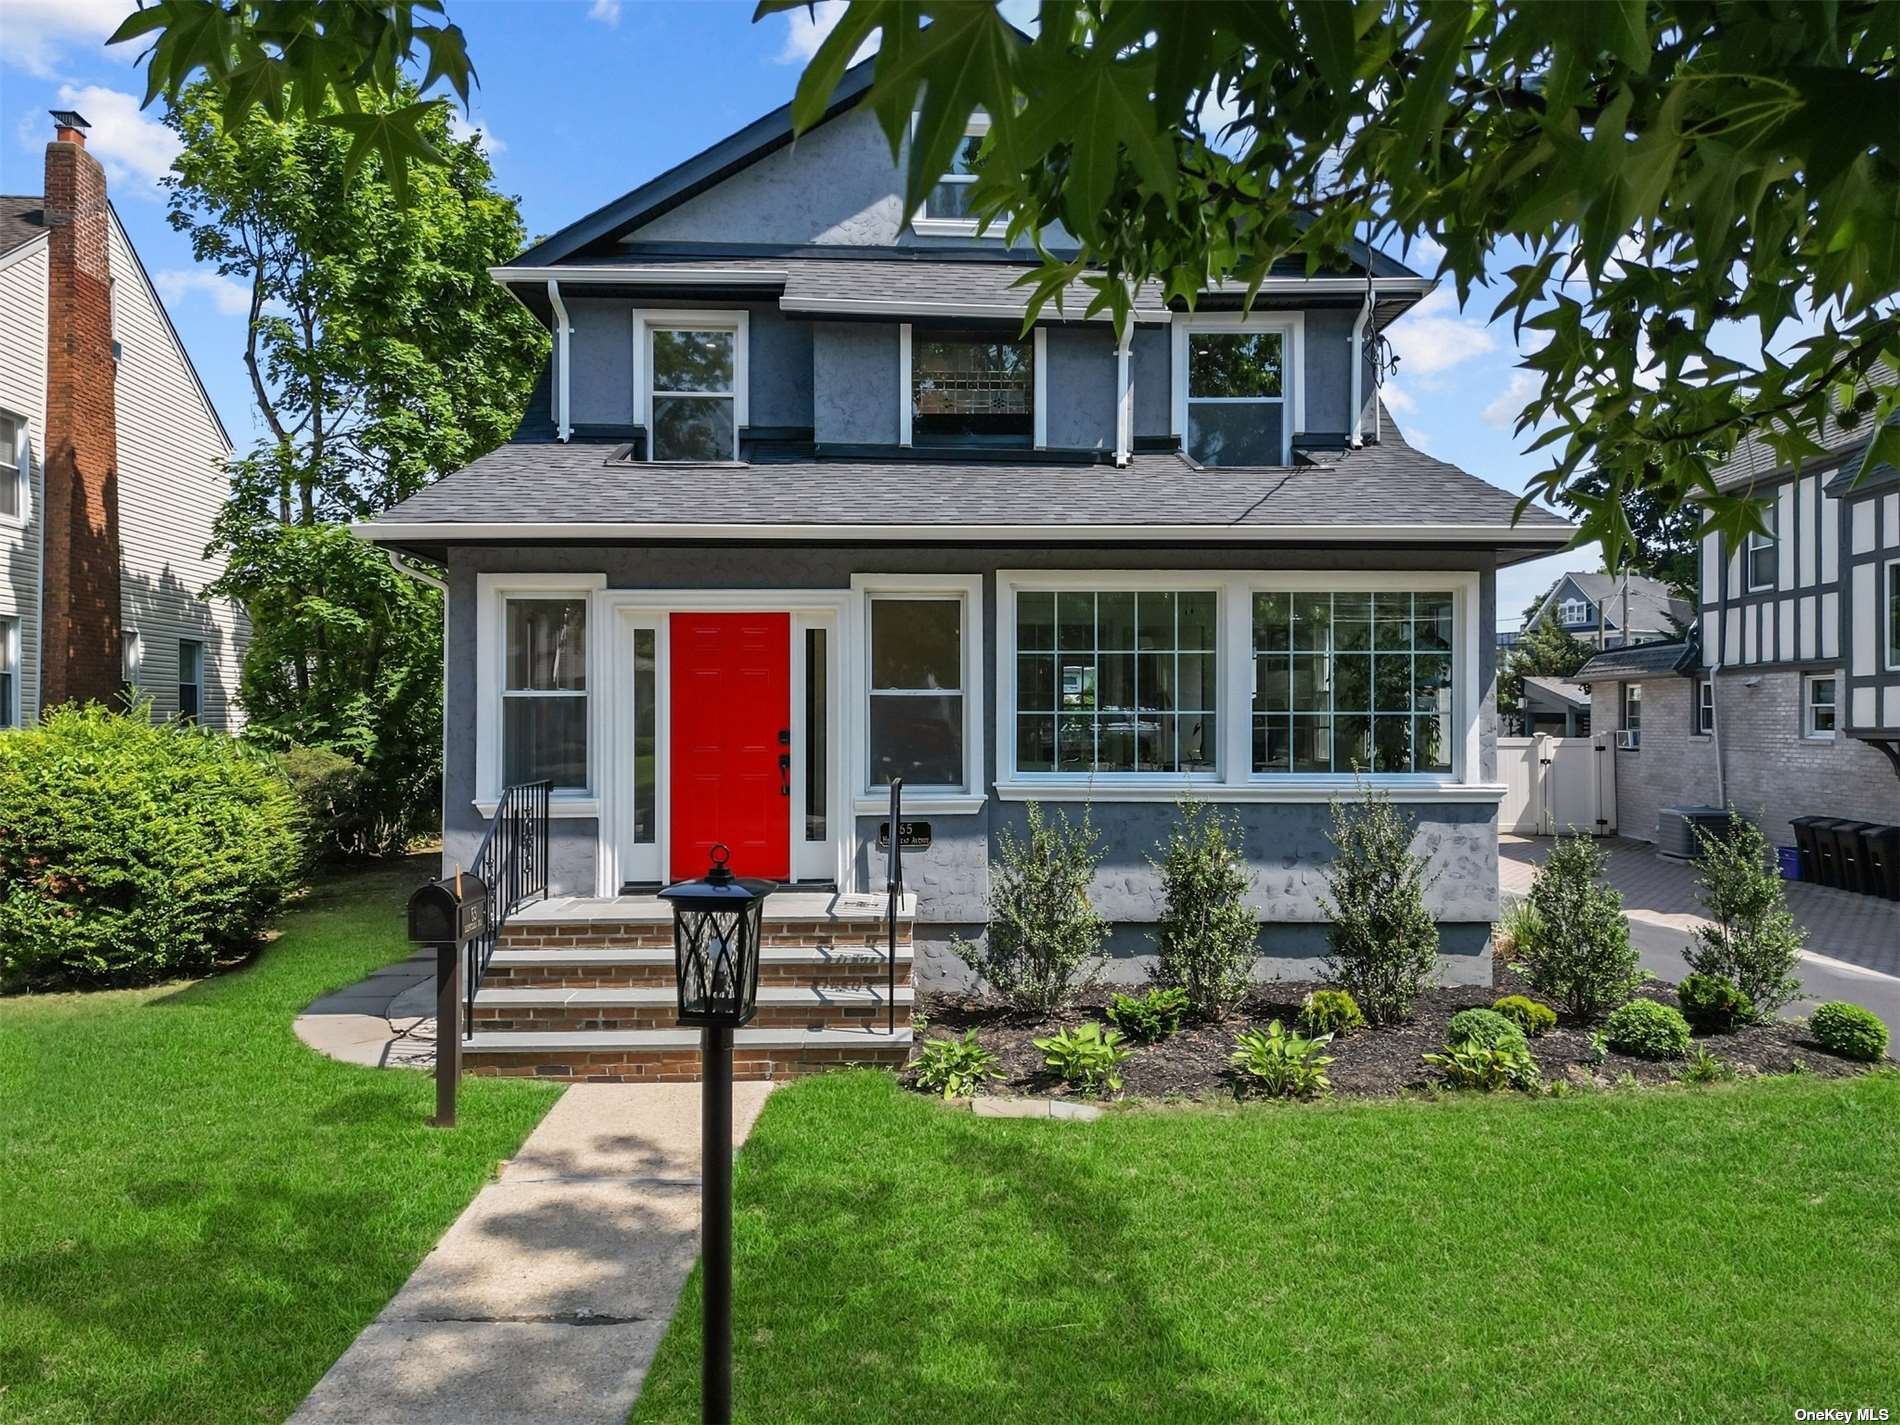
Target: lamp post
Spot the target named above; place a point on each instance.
(716, 964)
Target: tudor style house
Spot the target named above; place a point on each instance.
(1785, 701)
(800, 509)
(111, 469)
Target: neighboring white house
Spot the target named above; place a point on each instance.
(111, 469)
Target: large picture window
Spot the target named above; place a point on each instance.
(1236, 397)
(972, 389)
(916, 691)
(1352, 682)
(1116, 681)
(544, 692)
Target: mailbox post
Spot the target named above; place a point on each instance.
(448, 914)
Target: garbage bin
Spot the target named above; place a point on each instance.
(1846, 838)
(1880, 861)
(1804, 840)
(1788, 862)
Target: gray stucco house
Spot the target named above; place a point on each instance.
(798, 509)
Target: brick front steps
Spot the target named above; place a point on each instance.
(583, 989)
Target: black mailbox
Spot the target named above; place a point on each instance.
(448, 911)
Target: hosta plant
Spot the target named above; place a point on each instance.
(956, 1068)
(1087, 1057)
(1281, 1064)
(1469, 1064)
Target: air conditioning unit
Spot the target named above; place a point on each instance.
(1629, 739)
(1676, 829)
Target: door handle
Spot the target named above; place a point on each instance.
(785, 774)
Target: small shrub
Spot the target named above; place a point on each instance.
(1208, 935)
(1087, 1057)
(1648, 1030)
(1527, 1014)
(1713, 1004)
(1705, 1068)
(1523, 928)
(1485, 1027)
(1599, 1048)
(1149, 1018)
(132, 852)
(957, 1068)
(1468, 1064)
(1280, 1064)
(1753, 941)
(1583, 959)
(1045, 936)
(1383, 941)
(1332, 1012)
(1848, 1030)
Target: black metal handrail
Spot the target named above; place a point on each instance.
(894, 887)
(512, 862)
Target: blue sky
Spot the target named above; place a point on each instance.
(581, 100)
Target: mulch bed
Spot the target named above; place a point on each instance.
(1369, 1063)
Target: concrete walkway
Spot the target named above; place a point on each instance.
(1853, 941)
(544, 1303)
(386, 1020)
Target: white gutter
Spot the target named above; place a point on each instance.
(563, 328)
(1358, 355)
(900, 307)
(676, 276)
(403, 532)
(1124, 397)
(421, 576)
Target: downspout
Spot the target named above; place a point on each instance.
(1356, 436)
(562, 328)
(1715, 737)
(1125, 395)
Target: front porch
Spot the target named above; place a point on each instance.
(582, 988)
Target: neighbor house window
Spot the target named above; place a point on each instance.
(9, 672)
(1352, 682)
(1632, 715)
(130, 657)
(1704, 706)
(1233, 398)
(1116, 681)
(544, 692)
(970, 388)
(191, 677)
(916, 693)
(12, 469)
(1764, 552)
(695, 375)
(1893, 614)
(1572, 612)
(1818, 707)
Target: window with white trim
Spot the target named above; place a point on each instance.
(9, 672)
(1353, 682)
(131, 659)
(191, 678)
(918, 718)
(12, 468)
(972, 388)
(1632, 715)
(1763, 558)
(1704, 706)
(694, 368)
(946, 207)
(544, 691)
(1819, 710)
(1117, 680)
(1236, 396)
(1572, 612)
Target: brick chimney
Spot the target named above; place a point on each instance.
(82, 661)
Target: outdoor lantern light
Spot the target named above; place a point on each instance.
(716, 960)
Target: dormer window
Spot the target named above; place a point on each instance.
(1573, 612)
(1237, 392)
(971, 388)
(946, 209)
(693, 380)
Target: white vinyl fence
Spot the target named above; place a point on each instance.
(1558, 784)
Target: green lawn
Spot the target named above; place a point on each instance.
(197, 1213)
(1659, 1255)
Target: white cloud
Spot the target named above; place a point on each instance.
(182, 289)
(461, 129)
(807, 26)
(36, 31)
(1432, 337)
(1396, 400)
(135, 148)
(605, 11)
(1503, 408)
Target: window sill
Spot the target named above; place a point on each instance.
(559, 807)
(951, 227)
(1292, 789)
(924, 804)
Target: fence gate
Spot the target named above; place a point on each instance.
(1557, 784)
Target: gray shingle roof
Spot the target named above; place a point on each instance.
(1652, 607)
(1559, 691)
(1754, 459)
(1390, 485)
(21, 220)
(1645, 660)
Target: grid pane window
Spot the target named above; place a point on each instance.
(1116, 681)
(191, 673)
(693, 417)
(12, 486)
(544, 693)
(916, 699)
(969, 389)
(1347, 682)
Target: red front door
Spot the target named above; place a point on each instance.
(732, 720)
